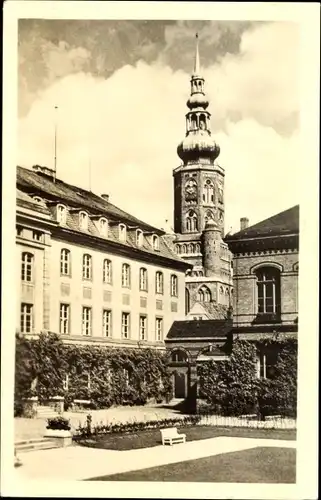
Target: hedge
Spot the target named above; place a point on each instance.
(117, 376)
(232, 387)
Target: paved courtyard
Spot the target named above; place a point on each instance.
(80, 463)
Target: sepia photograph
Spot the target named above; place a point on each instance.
(160, 221)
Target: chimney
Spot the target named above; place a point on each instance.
(42, 170)
(244, 223)
(105, 197)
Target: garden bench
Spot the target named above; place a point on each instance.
(171, 436)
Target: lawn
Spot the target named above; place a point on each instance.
(257, 465)
(152, 437)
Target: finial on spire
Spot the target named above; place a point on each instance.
(197, 59)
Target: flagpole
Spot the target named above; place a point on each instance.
(56, 131)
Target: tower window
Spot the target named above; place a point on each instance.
(204, 294)
(191, 222)
(208, 192)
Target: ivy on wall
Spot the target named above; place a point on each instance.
(105, 376)
(232, 387)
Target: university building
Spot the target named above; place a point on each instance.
(90, 271)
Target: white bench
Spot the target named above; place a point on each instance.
(170, 436)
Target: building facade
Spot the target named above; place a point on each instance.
(90, 271)
(266, 272)
(199, 211)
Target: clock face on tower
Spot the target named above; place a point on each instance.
(191, 190)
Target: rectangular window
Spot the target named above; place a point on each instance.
(65, 262)
(26, 318)
(107, 323)
(174, 286)
(86, 320)
(107, 270)
(125, 325)
(87, 267)
(64, 315)
(143, 327)
(159, 282)
(143, 279)
(125, 276)
(26, 267)
(159, 329)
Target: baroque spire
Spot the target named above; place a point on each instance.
(198, 145)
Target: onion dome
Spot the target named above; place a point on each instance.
(197, 100)
(198, 146)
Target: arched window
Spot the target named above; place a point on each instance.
(143, 282)
(103, 227)
(125, 276)
(204, 294)
(159, 282)
(179, 356)
(27, 262)
(86, 267)
(178, 249)
(202, 122)
(37, 199)
(107, 271)
(65, 262)
(187, 301)
(197, 248)
(268, 290)
(208, 191)
(155, 241)
(191, 221)
(190, 248)
(139, 237)
(194, 121)
(174, 285)
(208, 216)
(61, 214)
(122, 232)
(83, 220)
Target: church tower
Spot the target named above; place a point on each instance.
(199, 209)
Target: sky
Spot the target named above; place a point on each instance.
(121, 89)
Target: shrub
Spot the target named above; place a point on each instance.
(117, 376)
(58, 423)
(87, 430)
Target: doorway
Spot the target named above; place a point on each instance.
(179, 385)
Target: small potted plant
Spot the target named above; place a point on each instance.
(59, 428)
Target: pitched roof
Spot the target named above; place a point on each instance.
(200, 328)
(25, 201)
(211, 309)
(77, 197)
(74, 197)
(281, 224)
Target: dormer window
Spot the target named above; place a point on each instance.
(103, 227)
(83, 220)
(61, 214)
(155, 242)
(37, 199)
(139, 237)
(122, 232)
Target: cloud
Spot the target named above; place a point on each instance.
(128, 126)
